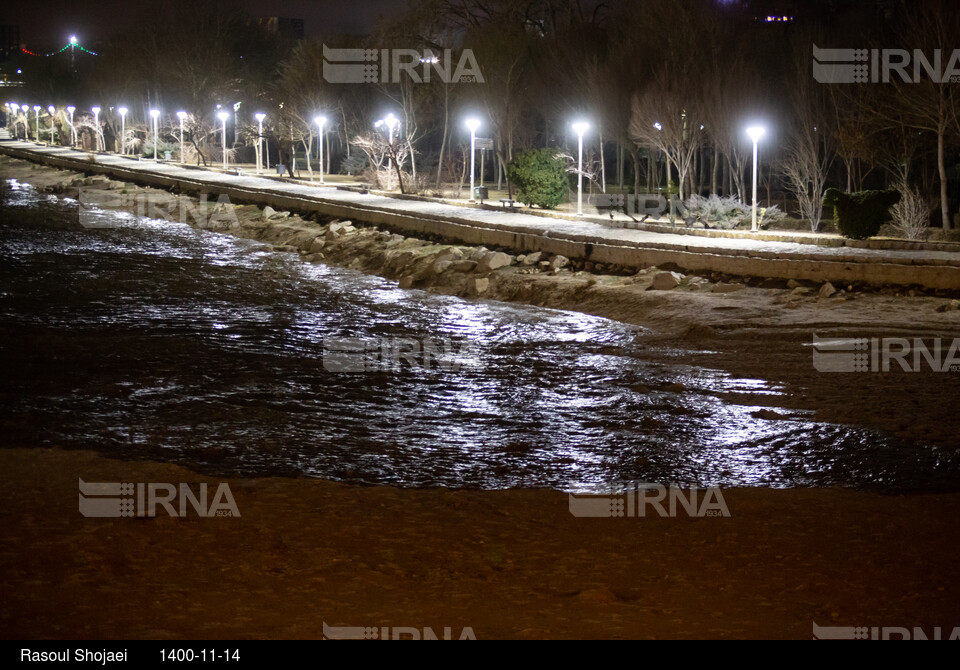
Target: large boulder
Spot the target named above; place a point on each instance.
(532, 259)
(666, 281)
(337, 230)
(492, 261)
(440, 266)
(450, 254)
(463, 266)
(477, 286)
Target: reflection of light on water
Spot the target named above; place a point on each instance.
(158, 340)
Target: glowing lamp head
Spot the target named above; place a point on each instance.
(391, 121)
(320, 120)
(223, 116)
(658, 126)
(756, 132)
(73, 39)
(473, 124)
(14, 106)
(378, 124)
(71, 109)
(123, 111)
(95, 110)
(51, 109)
(581, 127)
(155, 113)
(260, 117)
(26, 108)
(181, 115)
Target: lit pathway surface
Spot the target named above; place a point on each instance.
(936, 268)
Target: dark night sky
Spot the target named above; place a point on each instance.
(51, 23)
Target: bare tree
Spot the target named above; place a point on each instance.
(669, 118)
(911, 216)
(929, 104)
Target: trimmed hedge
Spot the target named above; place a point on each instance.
(860, 215)
(540, 177)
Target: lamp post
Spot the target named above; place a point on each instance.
(580, 127)
(390, 122)
(51, 110)
(181, 115)
(755, 133)
(321, 121)
(236, 126)
(96, 124)
(73, 130)
(123, 130)
(155, 113)
(472, 124)
(36, 112)
(223, 115)
(26, 122)
(260, 117)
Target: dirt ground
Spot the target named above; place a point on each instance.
(507, 564)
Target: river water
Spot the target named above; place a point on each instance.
(148, 339)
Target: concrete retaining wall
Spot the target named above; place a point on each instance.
(930, 273)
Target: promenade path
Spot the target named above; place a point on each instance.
(893, 263)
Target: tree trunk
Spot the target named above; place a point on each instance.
(651, 172)
(446, 130)
(620, 166)
(603, 165)
(944, 200)
(713, 173)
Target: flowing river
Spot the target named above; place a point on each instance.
(148, 339)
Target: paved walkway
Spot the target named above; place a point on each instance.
(738, 255)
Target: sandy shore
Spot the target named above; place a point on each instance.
(509, 564)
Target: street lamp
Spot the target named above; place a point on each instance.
(390, 122)
(580, 127)
(321, 121)
(755, 133)
(260, 117)
(73, 129)
(51, 109)
(223, 121)
(123, 130)
(155, 113)
(96, 124)
(181, 115)
(472, 124)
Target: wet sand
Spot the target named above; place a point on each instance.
(507, 564)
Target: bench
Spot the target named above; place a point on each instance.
(508, 204)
